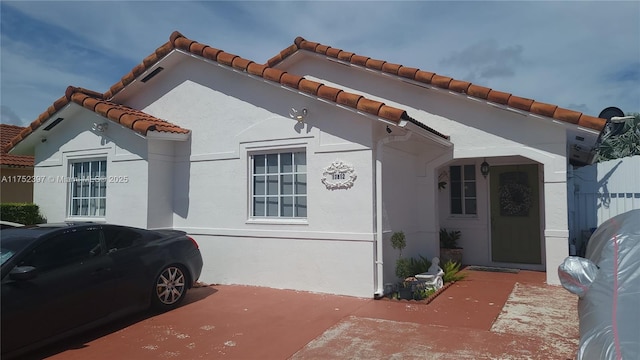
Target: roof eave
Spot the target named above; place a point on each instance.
(162, 135)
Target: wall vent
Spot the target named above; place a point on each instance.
(54, 123)
(152, 74)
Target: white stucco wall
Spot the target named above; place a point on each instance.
(73, 140)
(159, 192)
(478, 130)
(232, 116)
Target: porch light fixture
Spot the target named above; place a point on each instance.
(484, 168)
(298, 114)
(102, 127)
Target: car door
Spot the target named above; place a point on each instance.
(132, 278)
(72, 288)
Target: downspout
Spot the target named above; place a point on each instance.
(378, 275)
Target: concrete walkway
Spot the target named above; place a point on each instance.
(487, 316)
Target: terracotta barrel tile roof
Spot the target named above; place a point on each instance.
(391, 68)
(445, 82)
(348, 99)
(407, 72)
(478, 91)
(7, 133)
(520, 103)
(132, 118)
(328, 92)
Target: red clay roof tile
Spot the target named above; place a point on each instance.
(567, 115)
(273, 74)
(241, 63)
(322, 49)
(359, 60)
(345, 56)
(211, 53)
(478, 91)
(256, 69)
(445, 82)
(309, 86)
(226, 58)
(369, 106)
(543, 109)
(333, 52)
(290, 80)
(375, 64)
(391, 68)
(178, 41)
(407, 72)
(328, 92)
(7, 133)
(498, 97)
(424, 76)
(520, 103)
(392, 113)
(587, 121)
(349, 99)
(459, 86)
(441, 81)
(91, 100)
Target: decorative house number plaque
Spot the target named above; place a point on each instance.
(339, 176)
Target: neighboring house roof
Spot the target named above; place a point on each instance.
(445, 82)
(134, 119)
(8, 132)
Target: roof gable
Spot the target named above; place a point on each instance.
(133, 119)
(444, 82)
(142, 122)
(339, 96)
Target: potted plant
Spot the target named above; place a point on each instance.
(449, 249)
(403, 266)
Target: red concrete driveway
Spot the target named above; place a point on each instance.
(487, 316)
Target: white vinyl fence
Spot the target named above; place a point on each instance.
(600, 192)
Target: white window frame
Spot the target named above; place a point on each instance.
(463, 193)
(294, 194)
(93, 182)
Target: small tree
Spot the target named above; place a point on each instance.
(626, 143)
(403, 266)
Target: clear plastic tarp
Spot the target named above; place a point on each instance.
(607, 280)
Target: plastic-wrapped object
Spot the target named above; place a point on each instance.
(608, 283)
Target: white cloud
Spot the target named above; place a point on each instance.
(564, 53)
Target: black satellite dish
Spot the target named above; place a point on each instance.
(610, 112)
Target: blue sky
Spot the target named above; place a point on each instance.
(579, 55)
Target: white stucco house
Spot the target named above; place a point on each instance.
(295, 173)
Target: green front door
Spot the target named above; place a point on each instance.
(515, 214)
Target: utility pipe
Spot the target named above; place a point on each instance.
(378, 274)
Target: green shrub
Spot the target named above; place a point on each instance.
(452, 272)
(419, 265)
(403, 268)
(22, 213)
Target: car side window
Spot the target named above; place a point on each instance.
(72, 247)
(119, 238)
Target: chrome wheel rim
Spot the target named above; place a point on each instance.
(170, 285)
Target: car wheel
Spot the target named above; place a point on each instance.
(170, 288)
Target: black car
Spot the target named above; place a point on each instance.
(59, 279)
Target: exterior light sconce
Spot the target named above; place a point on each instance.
(102, 127)
(298, 114)
(388, 130)
(484, 168)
